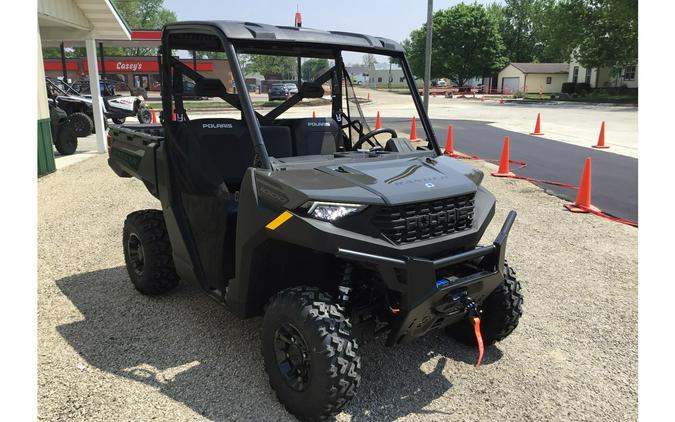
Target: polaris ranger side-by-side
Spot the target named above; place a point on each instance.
(331, 231)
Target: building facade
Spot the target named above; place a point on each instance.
(533, 78)
(604, 77)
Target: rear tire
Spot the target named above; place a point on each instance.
(65, 140)
(310, 354)
(82, 124)
(119, 120)
(147, 253)
(502, 310)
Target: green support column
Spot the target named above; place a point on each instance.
(46, 162)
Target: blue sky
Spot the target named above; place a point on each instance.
(393, 19)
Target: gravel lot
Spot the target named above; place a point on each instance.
(108, 353)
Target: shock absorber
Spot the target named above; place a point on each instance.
(345, 287)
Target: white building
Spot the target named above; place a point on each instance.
(604, 77)
(532, 78)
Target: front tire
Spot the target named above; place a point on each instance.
(81, 123)
(310, 354)
(65, 140)
(119, 120)
(144, 115)
(147, 253)
(502, 310)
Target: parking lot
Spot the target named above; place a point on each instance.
(107, 353)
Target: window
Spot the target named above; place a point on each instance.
(588, 76)
(549, 80)
(401, 79)
(629, 73)
(575, 74)
(379, 79)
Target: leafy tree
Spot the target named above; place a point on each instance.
(272, 67)
(465, 44)
(517, 29)
(609, 32)
(313, 68)
(557, 27)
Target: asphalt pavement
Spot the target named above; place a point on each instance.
(614, 177)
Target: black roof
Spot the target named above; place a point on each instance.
(257, 32)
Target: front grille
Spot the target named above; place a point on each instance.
(424, 220)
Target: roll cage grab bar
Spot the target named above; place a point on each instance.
(242, 102)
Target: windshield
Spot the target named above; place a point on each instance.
(307, 100)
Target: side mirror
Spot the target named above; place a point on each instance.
(311, 90)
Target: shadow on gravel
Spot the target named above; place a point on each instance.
(197, 353)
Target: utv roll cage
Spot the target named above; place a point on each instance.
(252, 38)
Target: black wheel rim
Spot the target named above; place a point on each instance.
(136, 254)
(292, 357)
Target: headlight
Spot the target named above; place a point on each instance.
(331, 211)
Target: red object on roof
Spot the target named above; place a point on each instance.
(146, 35)
(298, 19)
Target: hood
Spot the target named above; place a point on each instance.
(387, 181)
(410, 180)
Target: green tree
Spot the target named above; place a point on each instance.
(141, 14)
(272, 67)
(465, 44)
(313, 68)
(557, 26)
(609, 32)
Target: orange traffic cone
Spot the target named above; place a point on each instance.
(449, 148)
(537, 126)
(154, 116)
(378, 122)
(313, 114)
(413, 129)
(601, 138)
(583, 202)
(173, 115)
(504, 161)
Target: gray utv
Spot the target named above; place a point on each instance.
(332, 232)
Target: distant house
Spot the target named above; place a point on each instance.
(532, 78)
(604, 77)
(380, 75)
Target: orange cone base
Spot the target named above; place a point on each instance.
(534, 133)
(600, 146)
(498, 174)
(457, 155)
(581, 209)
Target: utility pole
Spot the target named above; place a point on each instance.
(298, 23)
(427, 58)
(63, 63)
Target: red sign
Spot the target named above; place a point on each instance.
(140, 66)
(146, 35)
(69, 66)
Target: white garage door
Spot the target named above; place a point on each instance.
(510, 85)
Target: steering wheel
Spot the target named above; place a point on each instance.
(367, 136)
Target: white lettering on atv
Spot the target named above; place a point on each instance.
(216, 125)
(318, 124)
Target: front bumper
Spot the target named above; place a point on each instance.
(431, 291)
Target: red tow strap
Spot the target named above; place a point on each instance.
(479, 339)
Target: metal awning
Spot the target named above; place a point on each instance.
(140, 38)
(76, 20)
